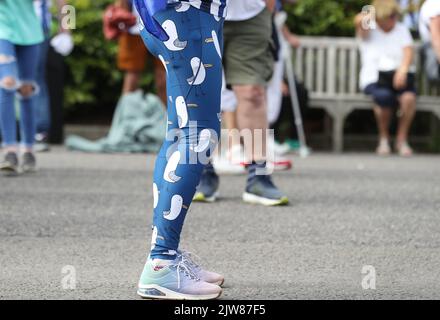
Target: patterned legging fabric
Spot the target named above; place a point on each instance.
(193, 60)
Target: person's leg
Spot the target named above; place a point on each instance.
(42, 106)
(407, 113)
(252, 116)
(132, 57)
(248, 69)
(385, 101)
(8, 85)
(131, 81)
(193, 129)
(275, 93)
(229, 156)
(27, 57)
(383, 120)
(229, 116)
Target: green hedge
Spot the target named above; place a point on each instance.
(325, 18)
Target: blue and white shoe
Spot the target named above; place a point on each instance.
(261, 190)
(174, 281)
(207, 190)
(204, 275)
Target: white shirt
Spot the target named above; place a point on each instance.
(383, 51)
(430, 9)
(240, 10)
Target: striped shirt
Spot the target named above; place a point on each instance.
(215, 7)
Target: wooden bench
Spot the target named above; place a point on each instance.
(329, 67)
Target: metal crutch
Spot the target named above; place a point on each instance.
(304, 151)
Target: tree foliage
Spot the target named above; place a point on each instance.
(329, 18)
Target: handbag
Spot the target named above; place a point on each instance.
(117, 20)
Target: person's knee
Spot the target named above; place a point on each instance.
(408, 99)
(384, 98)
(8, 83)
(27, 90)
(255, 95)
(6, 59)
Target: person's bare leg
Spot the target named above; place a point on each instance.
(230, 119)
(253, 125)
(234, 150)
(383, 119)
(252, 116)
(407, 113)
(131, 82)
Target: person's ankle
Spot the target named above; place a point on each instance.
(10, 149)
(384, 139)
(401, 141)
(28, 149)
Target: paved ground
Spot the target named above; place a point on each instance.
(93, 212)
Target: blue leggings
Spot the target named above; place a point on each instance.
(192, 58)
(20, 64)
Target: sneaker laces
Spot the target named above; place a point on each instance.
(183, 268)
(189, 259)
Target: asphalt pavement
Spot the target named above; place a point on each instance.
(80, 228)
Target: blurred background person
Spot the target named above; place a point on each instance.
(410, 14)
(63, 45)
(133, 56)
(387, 73)
(248, 66)
(231, 161)
(20, 37)
(430, 33)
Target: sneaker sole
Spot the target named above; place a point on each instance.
(9, 172)
(200, 197)
(220, 283)
(254, 199)
(168, 294)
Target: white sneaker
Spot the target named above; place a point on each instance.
(204, 275)
(383, 149)
(174, 280)
(404, 150)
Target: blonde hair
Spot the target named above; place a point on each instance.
(386, 8)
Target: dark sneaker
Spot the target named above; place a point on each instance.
(29, 163)
(41, 143)
(9, 166)
(207, 190)
(261, 190)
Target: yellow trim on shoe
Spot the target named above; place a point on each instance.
(254, 199)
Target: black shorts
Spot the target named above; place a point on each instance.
(387, 97)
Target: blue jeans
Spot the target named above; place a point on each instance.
(18, 68)
(42, 104)
(192, 58)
